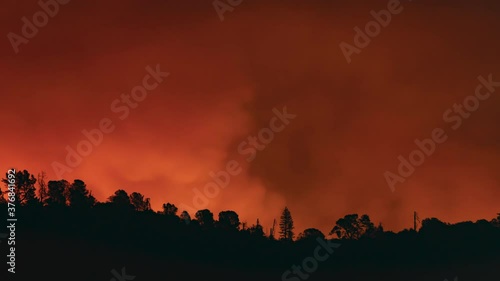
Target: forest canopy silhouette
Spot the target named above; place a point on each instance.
(61, 218)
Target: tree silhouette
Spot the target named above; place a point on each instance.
(311, 233)
(185, 217)
(56, 193)
(352, 227)
(496, 221)
(256, 230)
(170, 209)
(367, 227)
(42, 187)
(139, 203)
(205, 218)
(163, 236)
(120, 199)
(286, 225)
(434, 227)
(24, 187)
(229, 220)
(378, 231)
(79, 196)
(2, 198)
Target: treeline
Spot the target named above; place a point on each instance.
(76, 196)
(61, 225)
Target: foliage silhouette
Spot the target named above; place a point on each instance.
(286, 225)
(57, 193)
(311, 233)
(79, 196)
(229, 220)
(185, 217)
(121, 200)
(24, 186)
(140, 203)
(205, 218)
(256, 230)
(170, 210)
(353, 227)
(86, 240)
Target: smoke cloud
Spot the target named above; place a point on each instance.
(353, 120)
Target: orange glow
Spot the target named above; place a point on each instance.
(353, 120)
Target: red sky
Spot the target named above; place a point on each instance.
(353, 120)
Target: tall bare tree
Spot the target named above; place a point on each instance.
(42, 187)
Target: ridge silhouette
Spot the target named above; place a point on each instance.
(65, 233)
